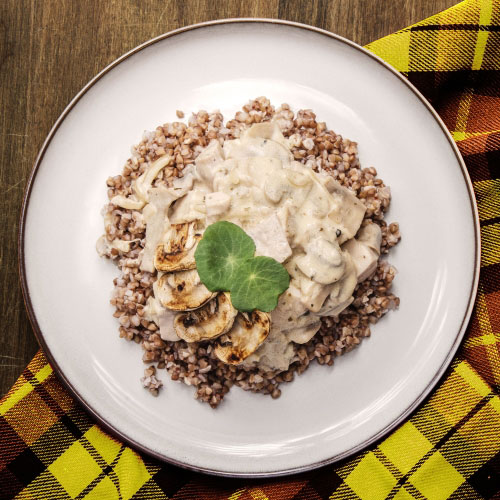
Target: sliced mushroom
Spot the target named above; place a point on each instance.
(247, 334)
(270, 238)
(323, 262)
(189, 208)
(182, 291)
(341, 293)
(209, 322)
(178, 253)
(294, 319)
(166, 324)
(142, 184)
(312, 294)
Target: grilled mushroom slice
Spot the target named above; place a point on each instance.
(212, 320)
(247, 334)
(178, 253)
(182, 291)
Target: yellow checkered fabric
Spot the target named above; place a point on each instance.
(449, 448)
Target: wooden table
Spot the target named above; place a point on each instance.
(49, 49)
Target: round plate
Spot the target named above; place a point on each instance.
(329, 412)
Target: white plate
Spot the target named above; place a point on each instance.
(328, 413)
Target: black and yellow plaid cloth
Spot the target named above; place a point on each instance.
(450, 448)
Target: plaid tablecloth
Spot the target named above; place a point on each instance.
(449, 448)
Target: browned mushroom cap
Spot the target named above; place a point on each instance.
(182, 291)
(212, 320)
(248, 333)
(178, 253)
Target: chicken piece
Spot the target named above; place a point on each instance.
(244, 338)
(371, 236)
(189, 208)
(209, 322)
(290, 307)
(293, 319)
(104, 247)
(261, 139)
(217, 203)
(276, 353)
(166, 324)
(364, 258)
(332, 307)
(267, 130)
(206, 161)
(349, 211)
(314, 294)
(270, 239)
(164, 318)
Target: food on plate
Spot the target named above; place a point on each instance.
(248, 249)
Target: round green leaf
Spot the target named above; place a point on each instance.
(258, 283)
(222, 249)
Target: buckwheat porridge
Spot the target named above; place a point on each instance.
(297, 194)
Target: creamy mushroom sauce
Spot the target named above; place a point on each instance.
(301, 218)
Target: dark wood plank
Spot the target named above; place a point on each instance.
(361, 20)
(50, 49)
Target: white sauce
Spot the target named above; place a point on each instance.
(301, 218)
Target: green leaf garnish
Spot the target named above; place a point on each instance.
(225, 262)
(222, 249)
(258, 284)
